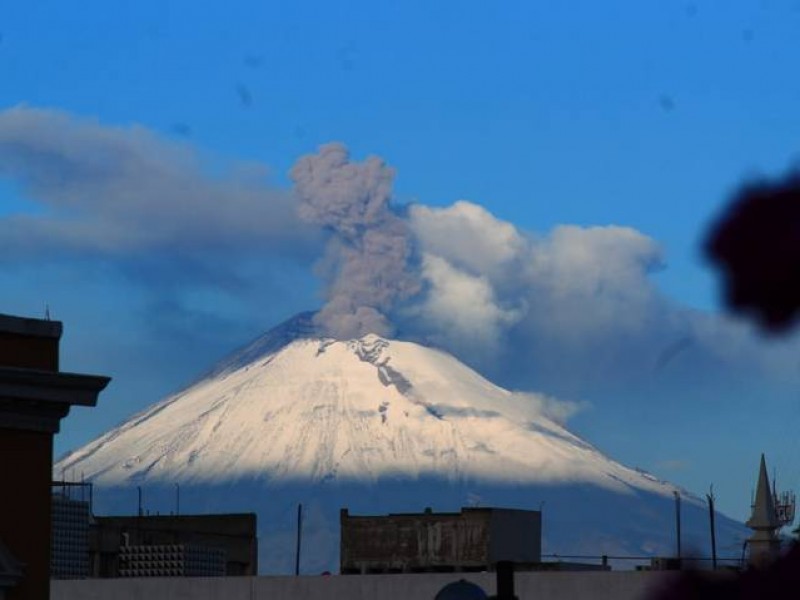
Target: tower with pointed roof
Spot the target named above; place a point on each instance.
(764, 543)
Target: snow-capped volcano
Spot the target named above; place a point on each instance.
(297, 411)
(321, 409)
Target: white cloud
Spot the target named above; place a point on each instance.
(485, 275)
(554, 409)
(460, 308)
(579, 303)
(585, 281)
(468, 236)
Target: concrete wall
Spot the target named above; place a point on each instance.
(619, 585)
(515, 535)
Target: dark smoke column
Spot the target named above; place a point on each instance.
(366, 264)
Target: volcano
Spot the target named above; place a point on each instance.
(377, 425)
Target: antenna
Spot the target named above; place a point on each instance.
(784, 503)
(46, 312)
(678, 521)
(784, 507)
(299, 539)
(774, 485)
(710, 497)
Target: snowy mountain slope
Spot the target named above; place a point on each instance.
(319, 409)
(378, 426)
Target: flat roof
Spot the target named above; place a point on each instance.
(182, 517)
(29, 327)
(429, 512)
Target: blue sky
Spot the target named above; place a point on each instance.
(637, 114)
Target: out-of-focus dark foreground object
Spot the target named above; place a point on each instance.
(35, 395)
(775, 581)
(756, 245)
(466, 590)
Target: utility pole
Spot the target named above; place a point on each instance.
(299, 539)
(505, 580)
(139, 492)
(678, 521)
(710, 497)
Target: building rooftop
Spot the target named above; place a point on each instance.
(28, 327)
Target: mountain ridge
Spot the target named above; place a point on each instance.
(376, 407)
(378, 425)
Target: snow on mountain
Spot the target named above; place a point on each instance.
(382, 424)
(319, 409)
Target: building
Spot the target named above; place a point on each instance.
(173, 545)
(764, 543)
(34, 397)
(474, 539)
(69, 551)
(528, 585)
(11, 571)
(172, 560)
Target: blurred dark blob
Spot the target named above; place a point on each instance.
(245, 97)
(756, 246)
(748, 35)
(691, 9)
(776, 581)
(182, 129)
(666, 102)
(253, 61)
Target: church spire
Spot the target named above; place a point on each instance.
(764, 516)
(764, 544)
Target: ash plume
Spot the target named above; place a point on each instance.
(366, 264)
